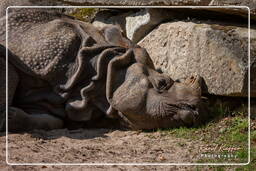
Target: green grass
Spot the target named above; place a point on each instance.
(252, 165)
(242, 154)
(230, 130)
(85, 14)
(226, 132)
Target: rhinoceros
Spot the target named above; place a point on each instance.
(64, 70)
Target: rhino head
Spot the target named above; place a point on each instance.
(147, 99)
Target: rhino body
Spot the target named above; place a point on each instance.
(62, 69)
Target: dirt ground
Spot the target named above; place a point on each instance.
(97, 146)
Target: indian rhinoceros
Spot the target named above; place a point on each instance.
(62, 69)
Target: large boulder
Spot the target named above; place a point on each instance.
(112, 16)
(140, 23)
(219, 53)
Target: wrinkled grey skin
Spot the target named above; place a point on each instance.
(62, 69)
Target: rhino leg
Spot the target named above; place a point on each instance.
(18, 121)
(13, 80)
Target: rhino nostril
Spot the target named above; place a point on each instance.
(186, 116)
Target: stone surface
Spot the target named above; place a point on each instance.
(116, 17)
(218, 53)
(135, 25)
(250, 3)
(142, 22)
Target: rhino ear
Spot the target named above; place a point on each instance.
(115, 66)
(114, 75)
(120, 63)
(114, 35)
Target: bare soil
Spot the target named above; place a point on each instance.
(97, 146)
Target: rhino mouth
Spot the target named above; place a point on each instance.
(168, 110)
(164, 116)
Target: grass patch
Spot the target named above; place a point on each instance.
(252, 165)
(229, 132)
(85, 14)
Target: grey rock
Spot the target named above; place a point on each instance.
(218, 53)
(142, 22)
(114, 17)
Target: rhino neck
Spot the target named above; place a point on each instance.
(93, 91)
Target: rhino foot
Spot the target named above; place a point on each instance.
(19, 121)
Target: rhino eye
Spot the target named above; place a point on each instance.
(162, 84)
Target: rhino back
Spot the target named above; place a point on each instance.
(43, 44)
(6, 3)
